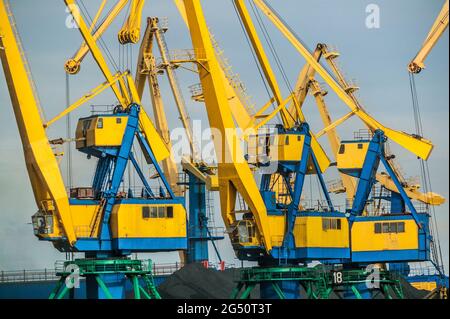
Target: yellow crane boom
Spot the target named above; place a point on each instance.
(170, 72)
(348, 182)
(240, 111)
(42, 166)
(234, 172)
(415, 144)
(147, 70)
(438, 28)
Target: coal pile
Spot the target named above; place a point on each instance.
(196, 282)
(411, 292)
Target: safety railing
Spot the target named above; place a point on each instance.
(18, 276)
(362, 134)
(166, 269)
(27, 276)
(184, 55)
(196, 91)
(210, 231)
(97, 109)
(316, 205)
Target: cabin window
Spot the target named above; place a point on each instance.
(325, 224)
(145, 212)
(331, 224)
(161, 212)
(243, 231)
(342, 149)
(360, 146)
(393, 227)
(377, 228)
(86, 125)
(153, 212)
(170, 212)
(100, 123)
(157, 212)
(287, 140)
(390, 228)
(299, 138)
(118, 120)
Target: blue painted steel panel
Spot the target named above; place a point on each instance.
(152, 244)
(321, 253)
(387, 256)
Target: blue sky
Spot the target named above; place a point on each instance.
(376, 58)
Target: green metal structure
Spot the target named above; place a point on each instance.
(137, 271)
(320, 283)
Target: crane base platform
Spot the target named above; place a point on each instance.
(294, 282)
(106, 278)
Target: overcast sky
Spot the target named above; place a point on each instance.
(376, 58)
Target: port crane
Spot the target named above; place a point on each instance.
(104, 222)
(438, 28)
(273, 232)
(308, 84)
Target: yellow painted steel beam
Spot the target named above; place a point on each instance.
(154, 140)
(333, 138)
(438, 28)
(412, 192)
(87, 97)
(417, 145)
(131, 30)
(42, 166)
(273, 84)
(262, 57)
(211, 181)
(260, 112)
(240, 114)
(120, 90)
(144, 60)
(146, 70)
(235, 175)
(301, 87)
(336, 123)
(72, 66)
(270, 116)
(322, 158)
(179, 101)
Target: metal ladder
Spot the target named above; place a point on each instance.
(96, 219)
